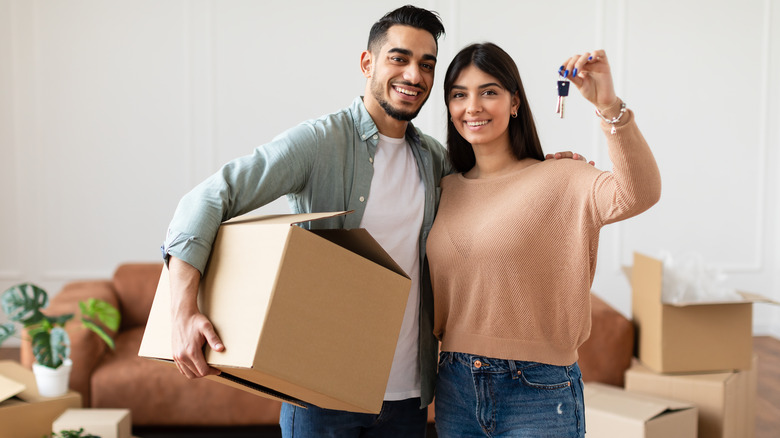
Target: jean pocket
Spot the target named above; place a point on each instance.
(543, 376)
(444, 358)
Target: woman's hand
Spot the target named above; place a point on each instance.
(591, 74)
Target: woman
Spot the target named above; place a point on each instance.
(512, 251)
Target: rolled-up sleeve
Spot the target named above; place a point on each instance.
(240, 186)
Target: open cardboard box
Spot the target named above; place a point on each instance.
(612, 412)
(305, 316)
(23, 412)
(689, 337)
(726, 401)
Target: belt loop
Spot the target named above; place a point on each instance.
(513, 369)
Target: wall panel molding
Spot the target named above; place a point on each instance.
(64, 276)
(11, 276)
(756, 264)
(199, 17)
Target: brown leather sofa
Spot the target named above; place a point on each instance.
(158, 395)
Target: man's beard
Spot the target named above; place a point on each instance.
(404, 116)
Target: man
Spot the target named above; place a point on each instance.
(367, 158)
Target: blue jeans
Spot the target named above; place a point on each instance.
(396, 419)
(484, 397)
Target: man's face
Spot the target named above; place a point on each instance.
(401, 72)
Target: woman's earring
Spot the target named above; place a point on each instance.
(514, 115)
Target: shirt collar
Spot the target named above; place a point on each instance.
(367, 128)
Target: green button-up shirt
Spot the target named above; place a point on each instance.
(322, 165)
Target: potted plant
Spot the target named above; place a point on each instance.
(50, 342)
(73, 434)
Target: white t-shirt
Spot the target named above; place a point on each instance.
(393, 216)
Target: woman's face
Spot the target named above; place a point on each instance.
(481, 107)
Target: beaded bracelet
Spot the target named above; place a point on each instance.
(613, 120)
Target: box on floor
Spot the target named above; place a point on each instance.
(611, 412)
(281, 297)
(23, 412)
(105, 423)
(726, 401)
(689, 337)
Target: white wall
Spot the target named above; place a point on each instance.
(110, 111)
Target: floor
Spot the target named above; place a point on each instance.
(767, 403)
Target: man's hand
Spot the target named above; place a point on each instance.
(191, 329)
(568, 154)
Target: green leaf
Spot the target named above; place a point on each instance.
(22, 303)
(100, 332)
(51, 349)
(103, 311)
(73, 434)
(59, 320)
(6, 331)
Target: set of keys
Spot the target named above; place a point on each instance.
(563, 91)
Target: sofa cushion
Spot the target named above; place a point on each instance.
(607, 353)
(158, 395)
(135, 285)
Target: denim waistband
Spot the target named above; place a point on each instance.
(486, 364)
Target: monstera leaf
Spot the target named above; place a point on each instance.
(6, 331)
(51, 347)
(50, 343)
(23, 303)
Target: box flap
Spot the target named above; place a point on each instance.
(284, 218)
(9, 388)
(747, 298)
(235, 381)
(645, 265)
(362, 243)
(633, 405)
(15, 372)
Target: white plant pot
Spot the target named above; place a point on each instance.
(52, 382)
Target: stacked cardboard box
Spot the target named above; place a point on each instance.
(23, 412)
(726, 400)
(701, 353)
(611, 412)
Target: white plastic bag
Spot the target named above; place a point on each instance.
(687, 279)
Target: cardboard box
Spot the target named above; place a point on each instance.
(689, 337)
(611, 412)
(726, 401)
(105, 423)
(305, 316)
(23, 412)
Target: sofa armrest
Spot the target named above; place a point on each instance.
(87, 349)
(607, 353)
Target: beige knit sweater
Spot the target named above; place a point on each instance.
(512, 258)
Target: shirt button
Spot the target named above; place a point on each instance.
(370, 159)
(362, 199)
(477, 364)
(375, 137)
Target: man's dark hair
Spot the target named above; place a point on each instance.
(407, 16)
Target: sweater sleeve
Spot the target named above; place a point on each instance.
(634, 184)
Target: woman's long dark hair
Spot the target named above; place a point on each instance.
(494, 61)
